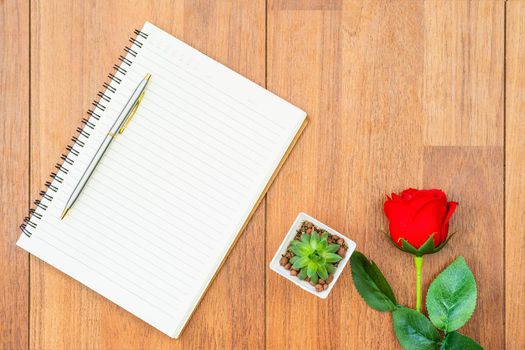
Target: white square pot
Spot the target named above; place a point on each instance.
(275, 266)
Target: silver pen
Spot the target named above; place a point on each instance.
(118, 127)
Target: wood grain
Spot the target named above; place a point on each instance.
(380, 82)
(463, 108)
(360, 86)
(463, 81)
(514, 179)
(14, 172)
(74, 46)
(399, 93)
(474, 177)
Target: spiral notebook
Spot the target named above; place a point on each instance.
(172, 194)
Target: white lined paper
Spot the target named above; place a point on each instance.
(170, 195)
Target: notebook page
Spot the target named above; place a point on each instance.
(170, 195)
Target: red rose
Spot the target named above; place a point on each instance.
(416, 215)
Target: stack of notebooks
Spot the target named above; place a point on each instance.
(194, 161)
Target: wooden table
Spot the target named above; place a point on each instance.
(400, 93)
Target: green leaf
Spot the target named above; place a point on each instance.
(324, 236)
(425, 248)
(305, 238)
(371, 284)
(331, 257)
(302, 274)
(451, 297)
(439, 247)
(314, 240)
(414, 331)
(458, 341)
(330, 268)
(321, 271)
(294, 259)
(332, 248)
(321, 246)
(301, 262)
(428, 246)
(311, 269)
(295, 248)
(295, 243)
(302, 249)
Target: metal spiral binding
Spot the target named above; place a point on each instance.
(84, 132)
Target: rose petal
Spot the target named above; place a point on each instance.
(425, 222)
(416, 214)
(451, 208)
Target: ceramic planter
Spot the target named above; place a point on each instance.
(275, 266)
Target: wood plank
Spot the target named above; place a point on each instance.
(74, 46)
(464, 117)
(14, 172)
(367, 74)
(514, 180)
(463, 44)
(474, 177)
(351, 71)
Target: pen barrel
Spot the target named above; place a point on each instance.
(78, 141)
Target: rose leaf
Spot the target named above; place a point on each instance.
(458, 341)
(414, 331)
(451, 297)
(371, 284)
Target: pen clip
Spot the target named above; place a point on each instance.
(133, 110)
(131, 114)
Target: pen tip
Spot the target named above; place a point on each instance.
(64, 213)
(148, 77)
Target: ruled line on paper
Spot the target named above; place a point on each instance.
(167, 94)
(196, 189)
(131, 275)
(159, 213)
(201, 147)
(143, 238)
(119, 239)
(204, 81)
(241, 138)
(119, 217)
(115, 275)
(208, 182)
(216, 134)
(208, 96)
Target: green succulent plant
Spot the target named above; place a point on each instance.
(314, 256)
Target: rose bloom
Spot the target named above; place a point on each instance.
(414, 215)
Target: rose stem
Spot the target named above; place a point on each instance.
(418, 260)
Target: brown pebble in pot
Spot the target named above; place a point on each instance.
(283, 261)
(288, 266)
(329, 279)
(325, 286)
(321, 281)
(293, 272)
(318, 287)
(340, 241)
(341, 252)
